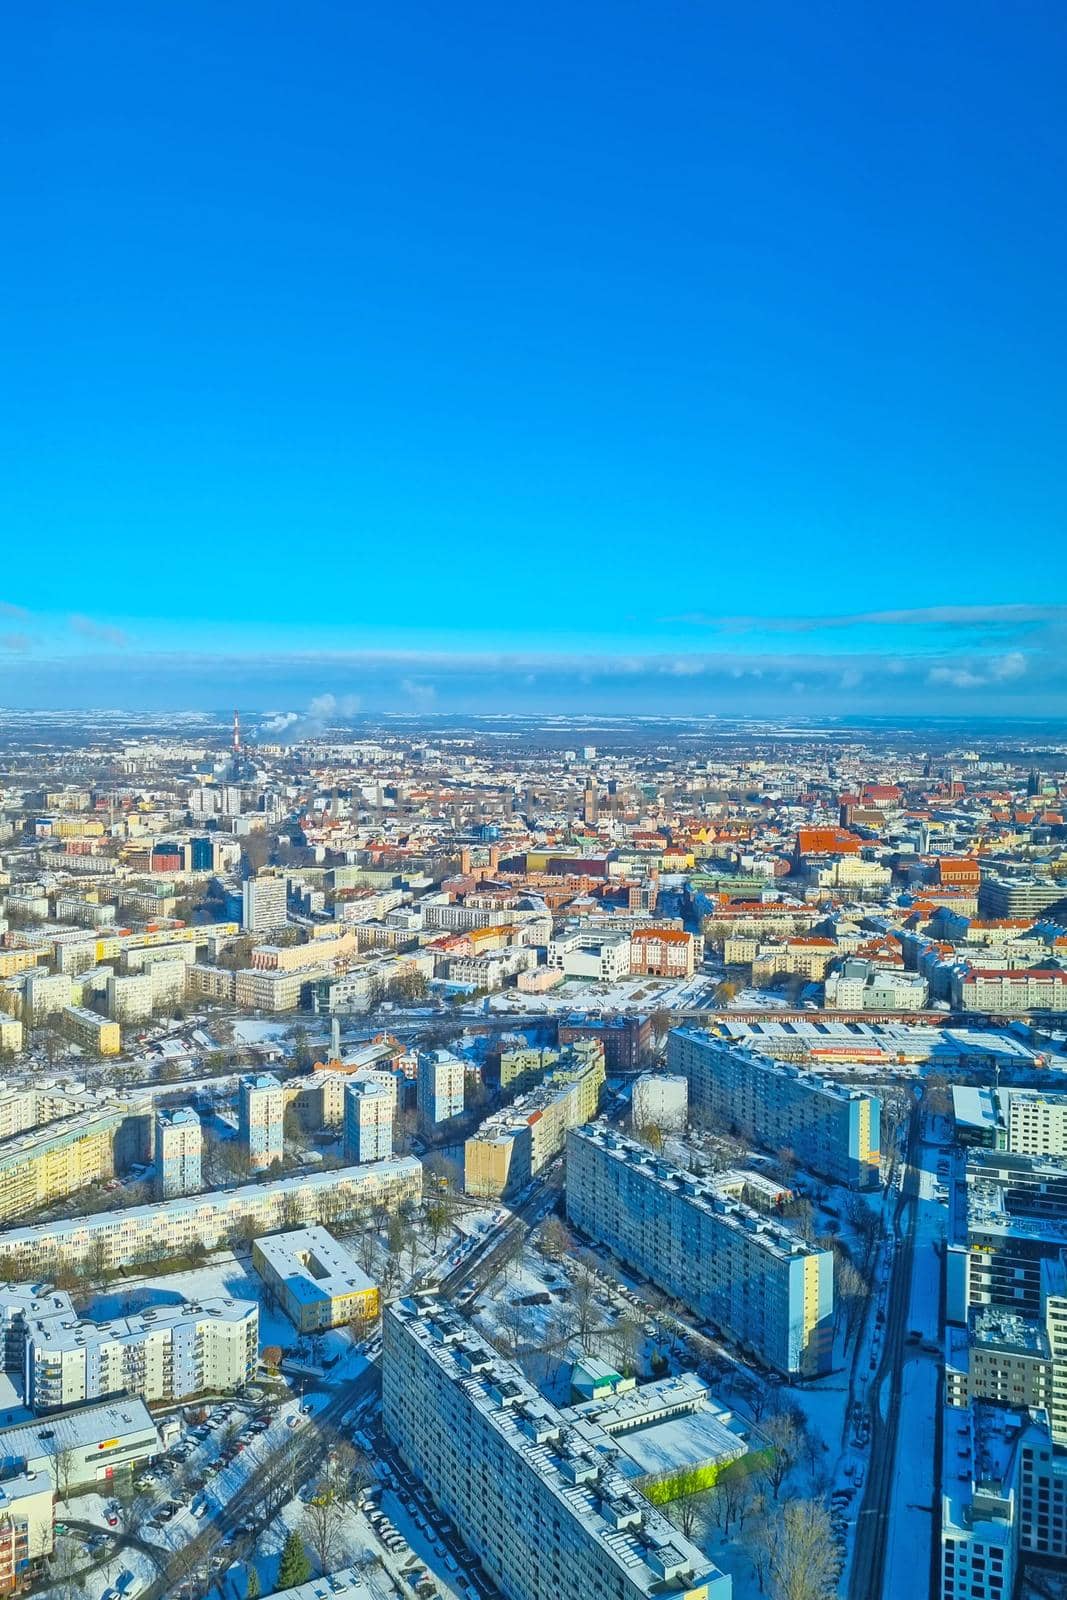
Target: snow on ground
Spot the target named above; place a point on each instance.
(628, 994)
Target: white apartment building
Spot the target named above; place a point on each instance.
(263, 904)
(179, 1144)
(1004, 1497)
(44, 993)
(130, 996)
(762, 1285)
(440, 1087)
(538, 1495)
(258, 990)
(166, 1353)
(261, 1119)
(369, 1108)
(143, 1234)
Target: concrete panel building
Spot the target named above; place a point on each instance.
(144, 1234)
(539, 1498)
(179, 1144)
(166, 1353)
(830, 1128)
(261, 1119)
(263, 904)
(763, 1286)
(441, 1087)
(369, 1110)
(514, 1144)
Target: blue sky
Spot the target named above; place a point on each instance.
(674, 356)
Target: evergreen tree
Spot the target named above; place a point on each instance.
(295, 1567)
(252, 1586)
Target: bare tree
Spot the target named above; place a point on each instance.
(852, 1292)
(785, 1439)
(804, 1559)
(323, 1519)
(587, 1318)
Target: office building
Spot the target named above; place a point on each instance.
(581, 953)
(440, 1087)
(539, 1498)
(1018, 897)
(261, 1119)
(763, 1286)
(316, 1281)
(369, 1106)
(830, 1128)
(179, 1148)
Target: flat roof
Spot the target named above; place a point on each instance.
(313, 1264)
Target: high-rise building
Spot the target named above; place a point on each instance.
(369, 1106)
(263, 904)
(179, 1148)
(260, 1119)
(539, 1495)
(765, 1287)
(830, 1128)
(441, 1086)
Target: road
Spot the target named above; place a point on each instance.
(872, 1523)
(311, 1443)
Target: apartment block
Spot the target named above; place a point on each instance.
(44, 1164)
(762, 1285)
(99, 1035)
(1017, 1360)
(440, 1087)
(830, 1128)
(514, 1144)
(540, 1498)
(263, 904)
(144, 1234)
(179, 1144)
(317, 1282)
(1004, 1497)
(1009, 1221)
(164, 1354)
(261, 1118)
(369, 1107)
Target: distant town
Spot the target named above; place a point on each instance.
(532, 1159)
